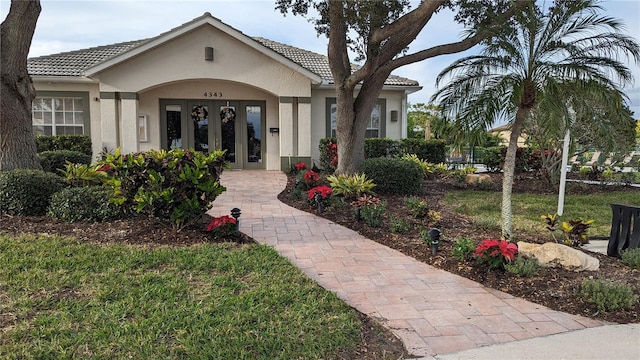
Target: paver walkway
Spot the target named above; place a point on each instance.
(432, 311)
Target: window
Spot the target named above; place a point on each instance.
(376, 126)
(59, 115)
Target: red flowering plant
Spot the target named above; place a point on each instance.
(495, 253)
(300, 166)
(323, 190)
(222, 226)
(311, 179)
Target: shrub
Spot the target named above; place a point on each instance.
(80, 143)
(427, 167)
(55, 161)
(372, 214)
(575, 231)
(222, 227)
(631, 258)
(323, 191)
(381, 147)
(398, 225)
(608, 295)
(492, 158)
(175, 186)
(350, 186)
(310, 179)
(394, 175)
(495, 253)
(462, 248)
(432, 151)
(84, 175)
(522, 267)
(419, 207)
(86, 204)
(329, 154)
(27, 192)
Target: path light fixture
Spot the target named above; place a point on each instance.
(235, 212)
(318, 198)
(434, 235)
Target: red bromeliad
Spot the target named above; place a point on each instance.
(222, 226)
(496, 252)
(323, 190)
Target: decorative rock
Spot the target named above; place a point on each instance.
(553, 255)
(474, 179)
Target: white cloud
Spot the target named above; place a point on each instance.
(71, 25)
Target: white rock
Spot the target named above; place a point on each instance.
(554, 255)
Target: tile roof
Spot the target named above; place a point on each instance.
(73, 63)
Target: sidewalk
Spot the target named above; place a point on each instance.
(432, 311)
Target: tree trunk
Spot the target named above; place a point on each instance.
(17, 144)
(526, 104)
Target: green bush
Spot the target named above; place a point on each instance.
(492, 158)
(373, 214)
(427, 168)
(80, 143)
(175, 186)
(55, 161)
(350, 186)
(419, 207)
(631, 258)
(522, 267)
(432, 151)
(328, 154)
(84, 175)
(608, 295)
(381, 147)
(88, 204)
(394, 175)
(27, 192)
(398, 225)
(463, 248)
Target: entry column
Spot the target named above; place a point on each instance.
(129, 122)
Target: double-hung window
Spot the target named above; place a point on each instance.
(60, 115)
(375, 127)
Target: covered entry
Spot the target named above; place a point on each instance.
(235, 126)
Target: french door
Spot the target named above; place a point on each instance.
(234, 126)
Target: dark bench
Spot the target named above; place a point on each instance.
(625, 229)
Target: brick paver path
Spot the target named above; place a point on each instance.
(432, 311)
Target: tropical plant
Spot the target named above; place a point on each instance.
(495, 253)
(350, 186)
(567, 54)
(575, 231)
(84, 175)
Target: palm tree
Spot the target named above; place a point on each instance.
(563, 53)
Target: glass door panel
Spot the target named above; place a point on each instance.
(228, 131)
(174, 126)
(254, 133)
(200, 121)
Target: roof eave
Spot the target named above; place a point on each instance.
(408, 88)
(63, 79)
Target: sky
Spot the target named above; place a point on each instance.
(73, 25)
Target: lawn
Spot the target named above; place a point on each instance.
(484, 207)
(61, 298)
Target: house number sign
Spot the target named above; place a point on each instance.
(211, 94)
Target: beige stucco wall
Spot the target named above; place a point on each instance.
(319, 117)
(183, 58)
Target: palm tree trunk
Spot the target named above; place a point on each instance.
(508, 173)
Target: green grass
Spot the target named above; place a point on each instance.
(61, 298)
(527, 208)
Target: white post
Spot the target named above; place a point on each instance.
(563, 173)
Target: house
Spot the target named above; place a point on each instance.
(204, 85)
(504, 132)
